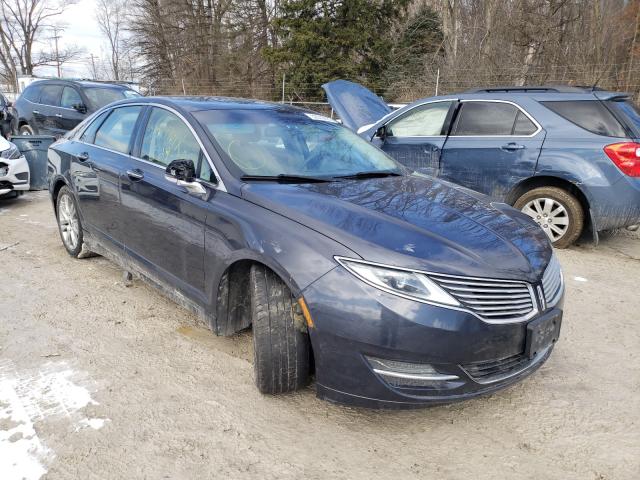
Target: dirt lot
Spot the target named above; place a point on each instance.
(101, 380)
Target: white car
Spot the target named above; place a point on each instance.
(14, 169)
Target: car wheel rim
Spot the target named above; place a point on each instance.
(68, 221)
(550, 214)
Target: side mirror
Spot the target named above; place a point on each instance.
(80, 107)
(183, 174)
(381, 133)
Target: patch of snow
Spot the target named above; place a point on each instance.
(95, 423)
(27, 397)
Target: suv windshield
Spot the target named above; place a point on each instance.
(269, 143)
(101, 96)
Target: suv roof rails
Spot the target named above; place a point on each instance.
(537, 89)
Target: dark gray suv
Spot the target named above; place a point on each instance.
(53, 107)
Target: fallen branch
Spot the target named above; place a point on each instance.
(9, 246)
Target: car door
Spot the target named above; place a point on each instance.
(44, 114)
(165, 224)
(493, 145)
(416, 137)
(97, 158)
(69, 117)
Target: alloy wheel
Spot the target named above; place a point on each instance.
(550, 214)
(68, 221)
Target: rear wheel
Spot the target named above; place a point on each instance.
(69, 224)
(25, 130)
(281, 348)
(558, 213)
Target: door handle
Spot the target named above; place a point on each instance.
(135, 174)
(58, 115)
(83, 157)
(37, 112)
(512, 147)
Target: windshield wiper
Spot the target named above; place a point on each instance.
(284, 178)
(374, 174)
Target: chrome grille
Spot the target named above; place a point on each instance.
(492, 300)
(552, 282)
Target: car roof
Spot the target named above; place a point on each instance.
(194, 104)
(80, 83)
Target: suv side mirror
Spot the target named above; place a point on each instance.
(381, 133)
(80, 107)
(183, 173)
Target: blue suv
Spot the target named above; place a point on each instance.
(569, 157)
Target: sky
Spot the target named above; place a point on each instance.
(80, 29)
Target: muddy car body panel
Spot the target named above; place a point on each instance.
(317, 235)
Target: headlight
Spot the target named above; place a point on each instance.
(11, 153)
(405, 283)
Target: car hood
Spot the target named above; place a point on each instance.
(415, 222)
(355, 105)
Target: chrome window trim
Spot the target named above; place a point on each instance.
(533, 120)
(407, 112)
(535, 310)
(218, 186)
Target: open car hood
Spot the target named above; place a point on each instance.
(356, 105)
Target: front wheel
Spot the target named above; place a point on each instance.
(69, 224)
(558, 213)
(281, 347)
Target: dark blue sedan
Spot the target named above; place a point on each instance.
(394, 289)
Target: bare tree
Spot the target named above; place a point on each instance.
(21, 26)
(110, 15)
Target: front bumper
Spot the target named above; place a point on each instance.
(354, 322)
(14, 175)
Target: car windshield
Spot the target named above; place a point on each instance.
(279, 142)
(101, 96)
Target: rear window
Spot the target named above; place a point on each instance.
(628, 111)
(32, 93)
(590, 115)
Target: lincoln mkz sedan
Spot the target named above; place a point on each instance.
(392, 288)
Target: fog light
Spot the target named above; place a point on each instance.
(404, 374)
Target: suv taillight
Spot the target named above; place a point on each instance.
(626, 156)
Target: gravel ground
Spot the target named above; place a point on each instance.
(103, 380)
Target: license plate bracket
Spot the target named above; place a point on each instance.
(542, 332)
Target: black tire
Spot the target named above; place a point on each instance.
(281, 349)
(73, 248)
(25, 130)
(574, 212)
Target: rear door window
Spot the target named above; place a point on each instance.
(591, 115)
(89, 134)
(423, 121)
(50, 95)
(116, 131)
(492, 119)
